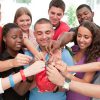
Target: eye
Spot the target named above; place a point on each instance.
(59, 14)
(48, 32)
(39, 33)
(78, 35)
(87, 37)
(14, 37)
(52, 13)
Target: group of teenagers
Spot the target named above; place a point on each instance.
(75, 71)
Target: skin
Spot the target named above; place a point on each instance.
(75, 86)
(84, 38)
(82, 14)
(13, 41)
(24, 22)
(55, 15)
(31, 70)
(43, 34)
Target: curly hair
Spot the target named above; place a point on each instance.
(93, 51)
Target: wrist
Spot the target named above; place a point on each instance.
(11, 63)
(23, 75)
(66, 84)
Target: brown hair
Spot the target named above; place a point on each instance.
(58, 4)
(93, 51)
(20, 11)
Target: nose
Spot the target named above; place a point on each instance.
(19, 40)
(25, 22)
(55, 16)
(44, 35)
(83, 16)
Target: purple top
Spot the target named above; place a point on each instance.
(76, 96)
(73, 95)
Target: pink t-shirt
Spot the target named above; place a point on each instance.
(63, 27)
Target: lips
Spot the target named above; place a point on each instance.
(18, 45)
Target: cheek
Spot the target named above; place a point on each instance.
(89, 42)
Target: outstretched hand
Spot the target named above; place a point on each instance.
(53, 45)
(35, 68)
(61, 66)
(21, 60)
(54, 75)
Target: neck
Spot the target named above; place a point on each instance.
(12, 52)
(79, 55)
(56, 26)
(43, 49)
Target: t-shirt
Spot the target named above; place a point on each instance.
(10, 93)
(36, 95)
(63, 27)
(77, 96)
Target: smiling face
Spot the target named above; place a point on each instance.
(84, 38)
(43, 33)
(55, 15)
(24, 22)
(84, 14)
(13, 39)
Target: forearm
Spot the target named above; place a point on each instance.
(85, 89)
(30, 47)
(5, 65)
(6, 83)
(66, 38)
(95, 66)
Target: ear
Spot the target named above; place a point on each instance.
(34, 33)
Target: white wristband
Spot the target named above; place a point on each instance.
(1, 89)
(66, 84)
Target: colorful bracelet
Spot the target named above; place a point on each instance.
(22, 75)
(11, 81)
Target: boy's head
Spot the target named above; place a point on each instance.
(84, 12)
(56, 11)
(43, 31)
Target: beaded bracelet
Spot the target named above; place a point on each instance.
(22, 75)
(11, 81)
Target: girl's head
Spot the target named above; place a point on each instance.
(23, 18)
(12, 37)
(88, 39)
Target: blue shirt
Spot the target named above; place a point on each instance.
(36, 95)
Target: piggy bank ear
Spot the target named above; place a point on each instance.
(43, 84)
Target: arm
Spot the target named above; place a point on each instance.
(95, 66)
(63, 39)
(66, 38)
(35, 68)
(62, 67)
(83, 88)
(32, 49)
(19, 60)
